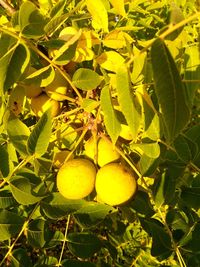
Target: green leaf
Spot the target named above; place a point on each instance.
(191, 197)
(45, 261)
(55, 23)
(67, 51)
(152, 150)
(38, 140)
(176, 16)
(177, 220)
(41, 77)
(92, 214)
(18, 134)
(164, 188)
(83, 245)
(55, 206)
(182, 148)
(89, 104)
(4, 64)
(6, 199)
(38, 233)
(148, 165)
(169, 90)
(76, 263)
(17, 65)
(6, 164)
(128, 103)
(20, 258)
(58, 8)
(23, 191)
(10, 224)
(161, 246)
(142, 204)
(193, 134)
(31, 22)
(26, 10)
(111, 121)
(86, 79)
(151, 121)
(192, 69)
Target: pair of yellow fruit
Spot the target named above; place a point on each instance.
(50, 96)
(113, 182)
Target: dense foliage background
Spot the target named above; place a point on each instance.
(132, 64)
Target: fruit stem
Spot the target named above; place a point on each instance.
(64, 241)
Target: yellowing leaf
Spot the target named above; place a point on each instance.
(110, 60)
(85, 43)
(16, 100)
(119, 7)
(117, 39)
(88, 39)
(99, 14)
(83, 54)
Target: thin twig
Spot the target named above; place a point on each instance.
(7, 7)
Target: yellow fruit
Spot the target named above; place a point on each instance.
(42, 102)
(102, 150)
(57, 89)
(59, 158)
(115, 184)
(32, 90)
(76, 178)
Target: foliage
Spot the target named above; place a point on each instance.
(133, 63)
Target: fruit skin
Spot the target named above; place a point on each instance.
(59, 158)
(102, 149)
(76, 178)
(42, 102)
(115, 184)
(57, 89)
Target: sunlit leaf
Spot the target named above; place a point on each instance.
(128, 103)
(86, 79)
(117, 39)
(169, 89)
(152, 150)
(119, 7)
(18, 133)
(16, 100)
(17, 65)
(22, 191)
(38, 140)
(192, 70)
(98, 13)
(110, 60)
(111, 121)
(41, 77)
(4, 62)
(55, 206)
